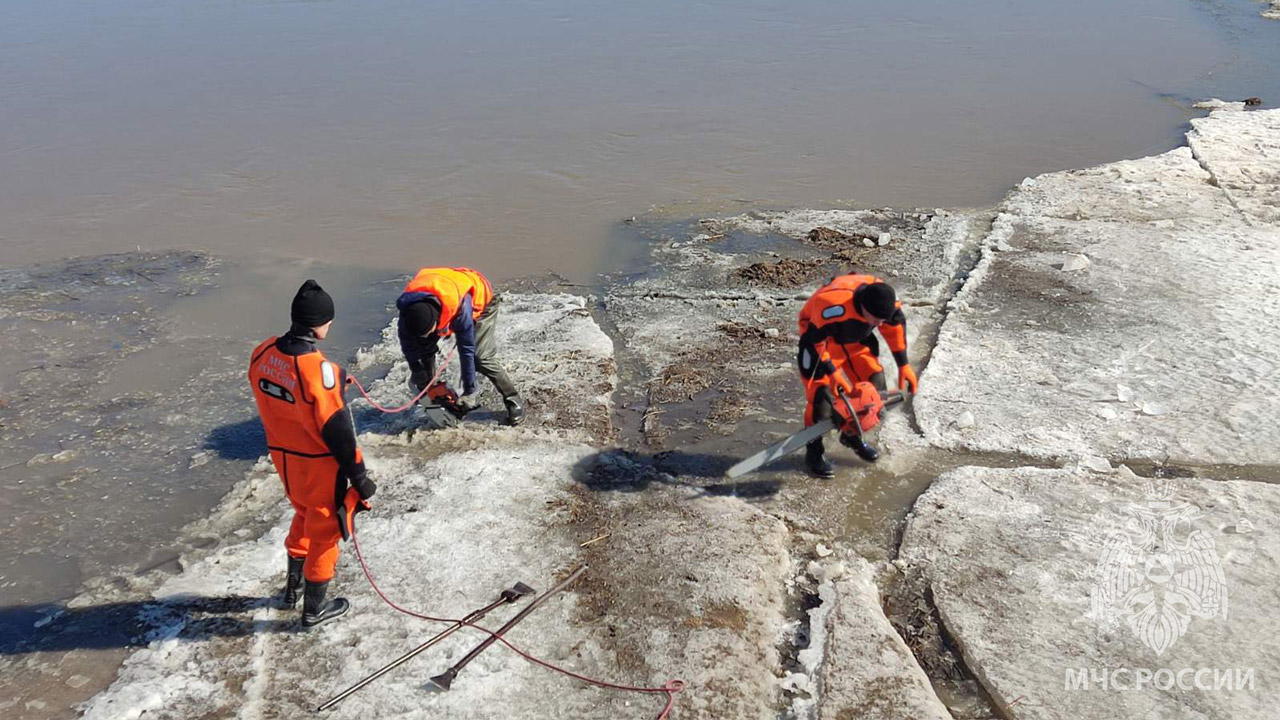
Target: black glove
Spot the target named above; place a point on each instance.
(420, 378)
(363, 484)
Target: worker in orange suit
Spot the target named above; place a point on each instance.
(838, 348)
(312, 442)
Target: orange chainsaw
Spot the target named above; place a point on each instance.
(855, 413)
(441, 406)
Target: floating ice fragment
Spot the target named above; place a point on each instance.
(868, 242)
(1075, 262)
(1107, 413)
(796, 682)
(1244, 527)
(1124, 393)
(771, 332)
(1095, 463)
(965, 420)
(1216, 104)
(883, 239)
(1151, 407)
(78, 681)
(822, 550)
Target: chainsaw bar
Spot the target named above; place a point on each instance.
(790, 444)
(786, 446)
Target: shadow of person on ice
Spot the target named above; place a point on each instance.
(241, 440)
(55, 628)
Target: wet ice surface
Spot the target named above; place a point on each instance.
(1160, 348)
(687, 580)
(461, 514)
(93, 436)
(125, 418)
(746, 590)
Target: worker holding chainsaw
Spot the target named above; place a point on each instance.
(312, 443)
(439, 302)
(839, 361)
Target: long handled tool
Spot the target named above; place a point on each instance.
(790, 444)
(445, 679)
(512, 594)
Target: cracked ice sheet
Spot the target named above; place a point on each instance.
(1160, 349)
(556, 354)
(667, 321)
(690, 585)
(1013, 558)
(869, 672)
(920, 261)
(452, 525)
(444, 537)
(1242, 151)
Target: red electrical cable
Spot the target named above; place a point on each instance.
(670, 689)
(354, 381)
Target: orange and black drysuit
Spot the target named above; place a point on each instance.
(838, 346)
(312, 442)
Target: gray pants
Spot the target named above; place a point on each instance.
(487, 349)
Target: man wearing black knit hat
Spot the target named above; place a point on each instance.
(838, 348)
(312, 442)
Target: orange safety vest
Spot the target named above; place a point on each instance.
(449, 286)
(296, 396)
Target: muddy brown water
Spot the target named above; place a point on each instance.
(353, 142)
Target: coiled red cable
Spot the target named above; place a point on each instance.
(670, 689)
(354, 381)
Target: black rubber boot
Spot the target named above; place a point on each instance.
(292, 582)
(515, 409)
(860, 446)
(816, 460)
(315, 610)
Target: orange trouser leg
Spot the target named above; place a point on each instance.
(296, 543)
(321, 529)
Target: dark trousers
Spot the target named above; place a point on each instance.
(487, 349)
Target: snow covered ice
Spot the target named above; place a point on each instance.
(1118, 316)
(1173, 321)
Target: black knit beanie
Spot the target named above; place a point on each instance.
(312, 306)
(420, 318)
(877, 299)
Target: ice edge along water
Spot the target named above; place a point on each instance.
(504, 483)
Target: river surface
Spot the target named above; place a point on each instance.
(355, 141)
(513, 136)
